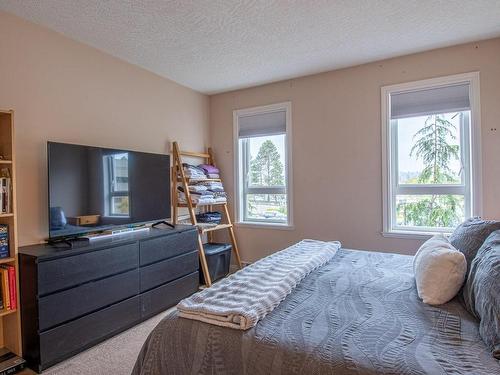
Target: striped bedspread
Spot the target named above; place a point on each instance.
(242, 299)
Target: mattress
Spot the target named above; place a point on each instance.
(358, 314)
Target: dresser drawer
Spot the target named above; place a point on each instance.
(168, 270)
(168, 295)
(157, 249)
(62, 273)
(59, 343)
(63, 306)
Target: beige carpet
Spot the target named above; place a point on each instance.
(115, 356)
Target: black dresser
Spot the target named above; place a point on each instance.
(74, 298)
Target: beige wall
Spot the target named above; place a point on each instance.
(62, 90)
(337, 145)
(65, 91)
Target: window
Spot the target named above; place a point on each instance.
(262, 142)
(431, 142)
(117, 189)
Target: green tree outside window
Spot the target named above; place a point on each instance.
(432, 146)
(267, 169)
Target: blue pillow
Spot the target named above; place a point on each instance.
(471, 234)
(481, 292)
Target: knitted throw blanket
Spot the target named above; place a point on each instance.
(245, 297)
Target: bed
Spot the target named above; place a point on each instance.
(358, 314)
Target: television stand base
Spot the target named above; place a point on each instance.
(68, 243)
(164, 223)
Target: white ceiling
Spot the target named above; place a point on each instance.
(219, 45)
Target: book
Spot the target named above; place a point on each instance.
(1, 297)
(3, 184)
(11, 291)
(10, 363)
(5, 194)
(12, 287)
(5, 288)
(7, 203)
(4, 241)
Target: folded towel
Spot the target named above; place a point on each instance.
(209, 217)
(195, 176)
(189, 167)
(196, 193)
(211, 185)
(193, 172)
(218, 194)
(245, 297)
(197, 188)
(197, 198)
(209, 168)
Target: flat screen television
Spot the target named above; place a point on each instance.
(94, 189)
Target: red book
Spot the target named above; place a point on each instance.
(12, 288)
(5, 287)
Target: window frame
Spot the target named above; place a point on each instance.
(110, 188)
(470, 144)
(240, 187)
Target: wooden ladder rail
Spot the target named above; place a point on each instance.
(178, 172)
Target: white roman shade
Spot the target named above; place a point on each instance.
(452, 98)
(268, 123)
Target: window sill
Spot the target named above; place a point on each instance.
(411, 235)
(265, 225)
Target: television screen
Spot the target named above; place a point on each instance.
(94, 189)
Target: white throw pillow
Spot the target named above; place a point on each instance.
(439, 270)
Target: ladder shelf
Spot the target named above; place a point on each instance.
(179, 177)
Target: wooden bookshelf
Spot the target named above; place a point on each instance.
(7, 260)
(10, 320)
(4, 312)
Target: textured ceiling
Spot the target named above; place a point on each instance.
(220, 45)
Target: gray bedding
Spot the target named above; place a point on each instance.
(358, 314)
